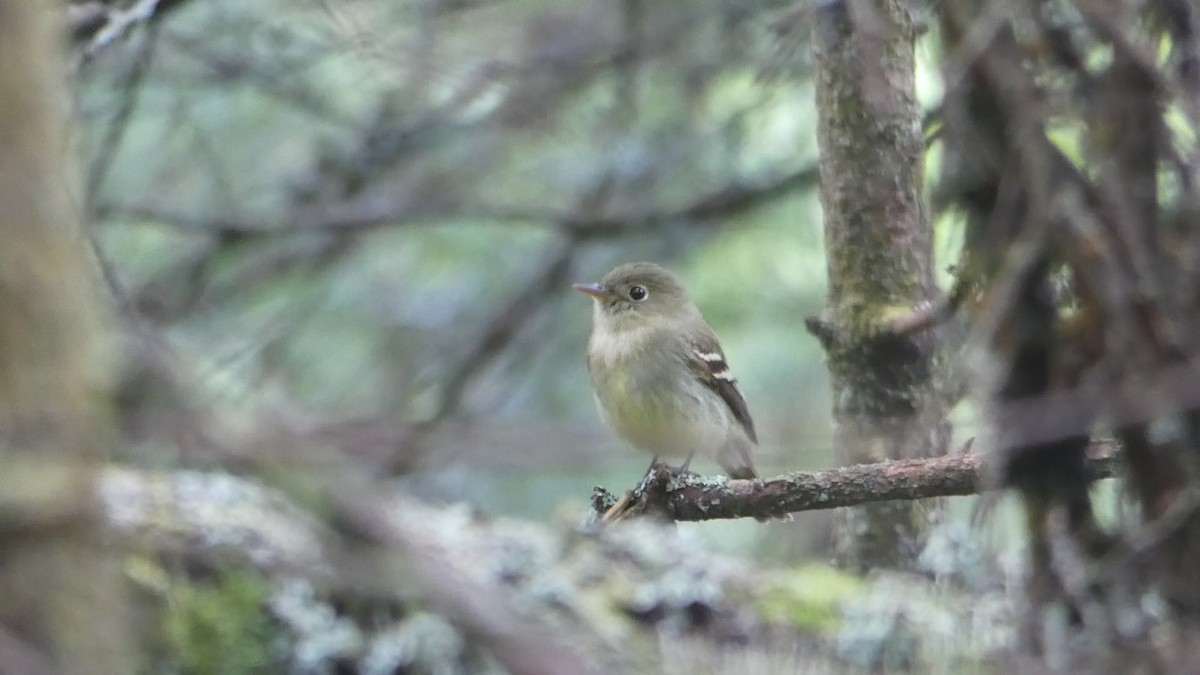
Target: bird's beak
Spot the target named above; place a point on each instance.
(597, 291)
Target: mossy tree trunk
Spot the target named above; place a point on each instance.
(61, 605)
(878, 244)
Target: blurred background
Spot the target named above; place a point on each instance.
(345, 232)
(340, 239)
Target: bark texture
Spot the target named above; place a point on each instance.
(879, 250)
(690, 497)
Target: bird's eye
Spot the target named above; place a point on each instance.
(638, 293)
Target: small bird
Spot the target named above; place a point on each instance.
(659, 375)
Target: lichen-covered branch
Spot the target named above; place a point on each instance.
(388, 583)
(668, 495)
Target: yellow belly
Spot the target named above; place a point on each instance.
(656, 423)
(652, 411)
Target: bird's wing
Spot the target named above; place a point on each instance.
(708, 363)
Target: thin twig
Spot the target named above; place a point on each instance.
(505, 324)
(347, 217)
(119, 23)
(114, 136)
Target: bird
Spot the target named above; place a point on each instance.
(658, 373)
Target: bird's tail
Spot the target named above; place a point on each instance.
(735, 459)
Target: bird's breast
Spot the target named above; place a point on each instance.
(656, 407)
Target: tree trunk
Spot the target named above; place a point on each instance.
(878, 245)
(61, 605)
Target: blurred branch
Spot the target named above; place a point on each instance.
(484, 613)
(690, 497)
(337, 228)
(118, 22)
(505, 323)
(131, 89)
(98, 25)
(398, 543)
(247, 523)
(725, 202)
(276, 79)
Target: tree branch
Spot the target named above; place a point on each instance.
(96, 26)
(667, 495)
(354, 216)
(504, 325)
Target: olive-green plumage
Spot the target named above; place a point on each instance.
(658, 373)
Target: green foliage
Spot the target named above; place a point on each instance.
(220, 626)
